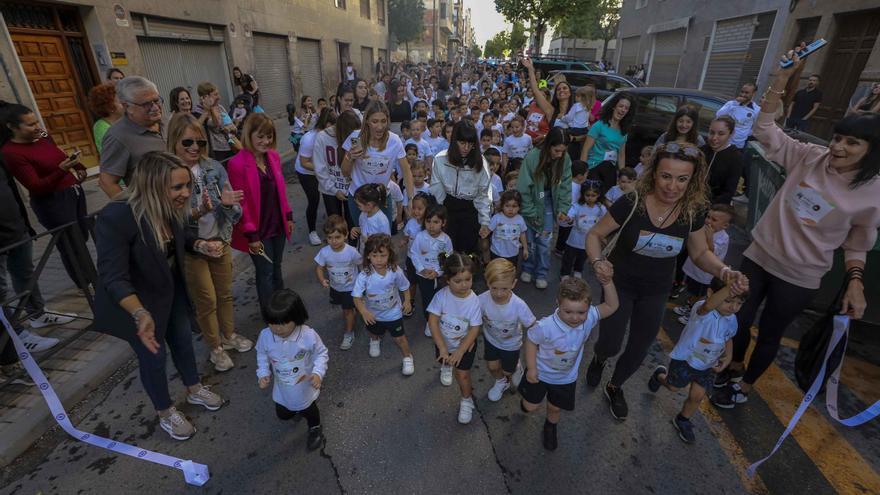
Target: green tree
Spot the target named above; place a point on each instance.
(406, 21)
(518, 37)
(476, 51)
(592, 20)
(496, 45)
(539, 14)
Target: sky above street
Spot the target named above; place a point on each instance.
(487, 21)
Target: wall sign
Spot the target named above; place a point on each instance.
(118, 58)
(119, 13)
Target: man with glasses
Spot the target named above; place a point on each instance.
(138, 132)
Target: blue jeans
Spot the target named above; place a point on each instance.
(19, 262)
(538, 263)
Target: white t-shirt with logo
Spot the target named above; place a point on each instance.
(497, 188)
(561, 347)
(503, 324)
(376, 166)
(720, 243)
(583, 219)
(456, 314)
(293, 360)
(342, 266)
(306, 149)
(424, 252)
(411, 230)
(505, 234)
(437, 144)
(381, 293)
(702, 341)
(517, 147)
(423, 146)
(377, 223)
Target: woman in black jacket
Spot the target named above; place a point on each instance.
(141, 293)
(725, 161)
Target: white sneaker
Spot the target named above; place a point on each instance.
(683, 310)
(517, 375)
(445, 375)
(579, 275)
(50, 318)
(526, 277)
(314, 240)
(375, 347)
(347, 341)
(498, 389)
(408, 366)
(684, 319)
(35, 343)
(427, 331)
(541, 283)
(177, 425)
(466, 410)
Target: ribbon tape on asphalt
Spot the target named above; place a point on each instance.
(194, 473)
(841, 330)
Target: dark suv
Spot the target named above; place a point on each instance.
(604, 82)
(551, 63)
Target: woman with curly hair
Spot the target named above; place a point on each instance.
(605, 144)
(663, 215)
(104, 104)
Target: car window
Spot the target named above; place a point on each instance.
(613, 84)
(706, 109)
(579, 80)
(658, 104)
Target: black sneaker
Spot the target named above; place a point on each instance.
(728, 376)
(653, 382)
(676, 291)
(594, 372)
(617, 402)
(315, 438)
(729, 396)
(685, 429)
(549, 436)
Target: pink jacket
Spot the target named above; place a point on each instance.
(244, 176)
(813, 213)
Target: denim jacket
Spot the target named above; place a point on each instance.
(215, 179)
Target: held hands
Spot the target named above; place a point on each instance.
(562, 217)
(146, 331)
(604, 271)
(738, 282)
(484, 231)
(263, 381)
(228, 197)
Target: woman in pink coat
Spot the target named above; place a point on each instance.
(266, 217)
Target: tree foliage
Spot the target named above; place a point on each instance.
(406, 19)
(518, 37)
(538, 14)
(496, 45)
(594, 20)
(476, 51)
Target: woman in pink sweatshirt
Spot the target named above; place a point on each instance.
(828, 201)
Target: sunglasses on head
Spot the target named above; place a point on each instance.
(592, 183)
(686, 150)
(189, 142)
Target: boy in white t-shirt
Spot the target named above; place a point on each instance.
(704, 348)
(516, 145)
(626, 182)
(337, 268)
(555, 347)
(508, 229)
(434, 137)
(424, 148)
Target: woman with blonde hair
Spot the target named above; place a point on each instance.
(141, 295)
(214, 209)
(266, 219)
(664, 214)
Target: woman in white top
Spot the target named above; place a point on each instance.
(305, 171)
(460, 181)
(326, 158)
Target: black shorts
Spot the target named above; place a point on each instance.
(343, 299)
(508, 359)
(561, 396)
(681, 374)
(467, 359)
(512, 259)
(410, 272)
(695, 288)
(394, 328)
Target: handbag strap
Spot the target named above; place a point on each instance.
(613, 242)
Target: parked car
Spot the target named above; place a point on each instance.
(605, 83)
(547, 64)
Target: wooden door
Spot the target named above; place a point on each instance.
(53, 83)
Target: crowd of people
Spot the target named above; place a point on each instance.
(433, 176)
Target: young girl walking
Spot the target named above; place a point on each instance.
(369, 199)
(584, 214)
(454, 318)
(420, 203)
(425, 253)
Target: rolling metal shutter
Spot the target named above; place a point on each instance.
(629, 53)
(367, 66)
(309, 56)
(272, 72)
(668, 47)
(757, 47)
(729, 48)
(170, 63)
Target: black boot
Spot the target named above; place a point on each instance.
(315, 438)
(550, 435)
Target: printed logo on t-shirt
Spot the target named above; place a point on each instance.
(585, 222)
(563, 360)
(508, 231)
(287, 372)
(374, 165)
(382, 301)
(808, 204)
(454, 329)
(501, 329)
(657, 245)
(341, 275)
(707, 352)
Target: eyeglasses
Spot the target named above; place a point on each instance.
(148, 105)
(189, 142)
(686, 149)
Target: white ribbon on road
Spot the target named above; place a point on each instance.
(194, 473)
(841, 330)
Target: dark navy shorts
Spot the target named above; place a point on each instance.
(681, 374)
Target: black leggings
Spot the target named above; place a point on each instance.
(427, 288)
(605, 172)
(573, 259)
(335, 206)
(310, 186)
(785, 301)
(311, 413)
(562, 237)
(644, 313)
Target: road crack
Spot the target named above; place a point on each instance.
(504, 471)
(329, 458)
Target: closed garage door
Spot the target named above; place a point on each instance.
(668, 47)
(629, 52)
(366, 63)
(309, 56)
(170, 63)
(729, 48)
(272, 71)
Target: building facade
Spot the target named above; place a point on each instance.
(581, 49)
(848, 64)
(713, 45)
(53, 52)
(447, 33)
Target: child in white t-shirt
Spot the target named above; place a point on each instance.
(508, 229)
(626, 182)
(376, 296)
(505, 316)
(369, 199)
(419, 206)
(426, 252)
(337, 268)
(578, 176)
(493, 160)
(697, 281)
(554, 349)
(644, 157)
(454, 317)
(294, 353)
(424, 147)
(704, 348)
(584, 213)
(516, 145)
(420, 179)
(396, 201)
